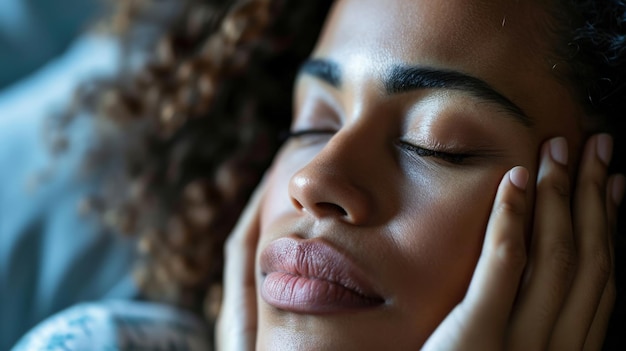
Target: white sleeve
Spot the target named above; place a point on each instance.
(119, 326)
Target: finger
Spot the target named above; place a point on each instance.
(552, 254)
(237, 320)
(592, 241)
(615, 187)
(597, 332)
(496, 279)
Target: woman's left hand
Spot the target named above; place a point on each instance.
(568, 290)
(558, 294)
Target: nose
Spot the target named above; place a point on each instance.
(336, 183)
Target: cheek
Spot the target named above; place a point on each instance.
(440, 236)
(276, 202)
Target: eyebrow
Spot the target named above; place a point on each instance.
(401, 79)
(406, 78)
(328, 71)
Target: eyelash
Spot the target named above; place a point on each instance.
(454, 158)
(300, 133)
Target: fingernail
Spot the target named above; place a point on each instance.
(558, 150)
(605, 148)
(617, 189)
(519, 177)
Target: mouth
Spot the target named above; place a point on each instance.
(312, 277)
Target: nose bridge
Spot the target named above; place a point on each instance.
(340, 181)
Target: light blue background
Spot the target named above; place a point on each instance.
(51, 256)
(34, 31)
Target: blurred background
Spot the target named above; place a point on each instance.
(35, 31)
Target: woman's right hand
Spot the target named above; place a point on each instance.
(237, 321)
(558, 294)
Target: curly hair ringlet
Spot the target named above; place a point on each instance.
(197, 125)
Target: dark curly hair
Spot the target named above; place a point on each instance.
(197, 125)
(591, 41)
(207, 110)
(590, 38)
(597, 54)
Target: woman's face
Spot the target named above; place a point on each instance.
(410, 113)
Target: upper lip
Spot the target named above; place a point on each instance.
(316, 259)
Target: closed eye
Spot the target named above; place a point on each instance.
(304, 132)
(451, 157)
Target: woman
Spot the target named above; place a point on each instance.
(406, 118)
(410, 118)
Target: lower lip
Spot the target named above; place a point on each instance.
(310, 295)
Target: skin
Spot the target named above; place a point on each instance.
(418, 224)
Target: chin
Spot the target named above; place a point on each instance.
(376, 329)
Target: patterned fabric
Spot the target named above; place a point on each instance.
(119, 326)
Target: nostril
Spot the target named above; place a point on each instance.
(330, 208)
(297, 204)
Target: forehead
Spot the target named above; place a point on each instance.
(468, 33)
(502, 42)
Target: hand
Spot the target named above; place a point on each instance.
(237, 321)
(560, 294)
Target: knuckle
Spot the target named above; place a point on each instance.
(555, 179)
(561, 190)
(598, 183)
(557, 184)
(514, 207)
(601, 264)
(593, 173)
(563, 259)
(511, 255)
(594, 186)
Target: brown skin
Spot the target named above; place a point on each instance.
(416, 224)
(395, 193)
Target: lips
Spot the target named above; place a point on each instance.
(311, 276)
